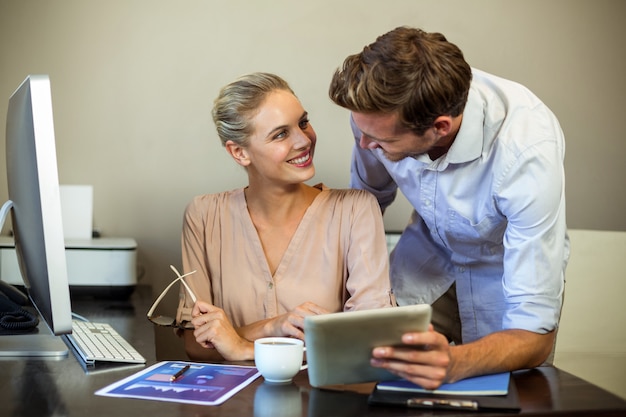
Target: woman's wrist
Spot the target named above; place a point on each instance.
(246, 351)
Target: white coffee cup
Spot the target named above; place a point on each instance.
(278, 359)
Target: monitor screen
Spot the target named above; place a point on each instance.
(35, 208)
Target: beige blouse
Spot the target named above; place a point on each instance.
(337, 257)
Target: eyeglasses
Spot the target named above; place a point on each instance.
(170, 321)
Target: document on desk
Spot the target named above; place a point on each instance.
(483, 393)
(494, 384)
(184, 382)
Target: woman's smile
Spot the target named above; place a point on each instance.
(301, 160)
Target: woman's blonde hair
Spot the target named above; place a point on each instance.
(238, 102)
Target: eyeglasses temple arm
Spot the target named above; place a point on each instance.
(193, 296)
(160, 297)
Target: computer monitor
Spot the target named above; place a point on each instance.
(35, 208)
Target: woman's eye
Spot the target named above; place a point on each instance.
(281, 134)
(304, 124)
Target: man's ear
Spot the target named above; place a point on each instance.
(443, 125)
(238, 153)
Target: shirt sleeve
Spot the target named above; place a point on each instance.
(367, 260)
(536, 246)
(194, 256)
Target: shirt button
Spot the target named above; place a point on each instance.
(461, 269)
(427, 203)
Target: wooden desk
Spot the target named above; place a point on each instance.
(40, 388)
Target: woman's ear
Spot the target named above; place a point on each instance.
(238, 153)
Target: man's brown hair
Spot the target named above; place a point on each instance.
(417, 74)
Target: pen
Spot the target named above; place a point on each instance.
(443, 403)
(179, 373)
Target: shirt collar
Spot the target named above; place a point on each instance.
(468, 144)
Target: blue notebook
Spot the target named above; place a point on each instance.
(494, 384)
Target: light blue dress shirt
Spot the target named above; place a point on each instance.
(489, 215)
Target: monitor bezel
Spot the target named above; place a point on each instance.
(35, 206)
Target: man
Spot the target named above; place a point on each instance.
(480, 159)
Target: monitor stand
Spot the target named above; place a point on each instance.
(41, 344)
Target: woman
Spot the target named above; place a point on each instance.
(278, 250)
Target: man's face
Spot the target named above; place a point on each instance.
(384, 131)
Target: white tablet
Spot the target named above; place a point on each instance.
(339, 345)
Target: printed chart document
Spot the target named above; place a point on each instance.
(184, 382)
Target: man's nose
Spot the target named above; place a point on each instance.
(366, 143)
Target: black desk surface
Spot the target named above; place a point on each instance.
(41, 388)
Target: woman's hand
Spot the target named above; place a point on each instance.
(214, 330)
(291, 324)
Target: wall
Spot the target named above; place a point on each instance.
(591, 342)
(133, 83)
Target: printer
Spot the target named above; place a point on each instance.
(105, 267)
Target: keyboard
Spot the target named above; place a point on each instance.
(99, 342)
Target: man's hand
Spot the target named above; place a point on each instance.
(424, 360)
(428, 360)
